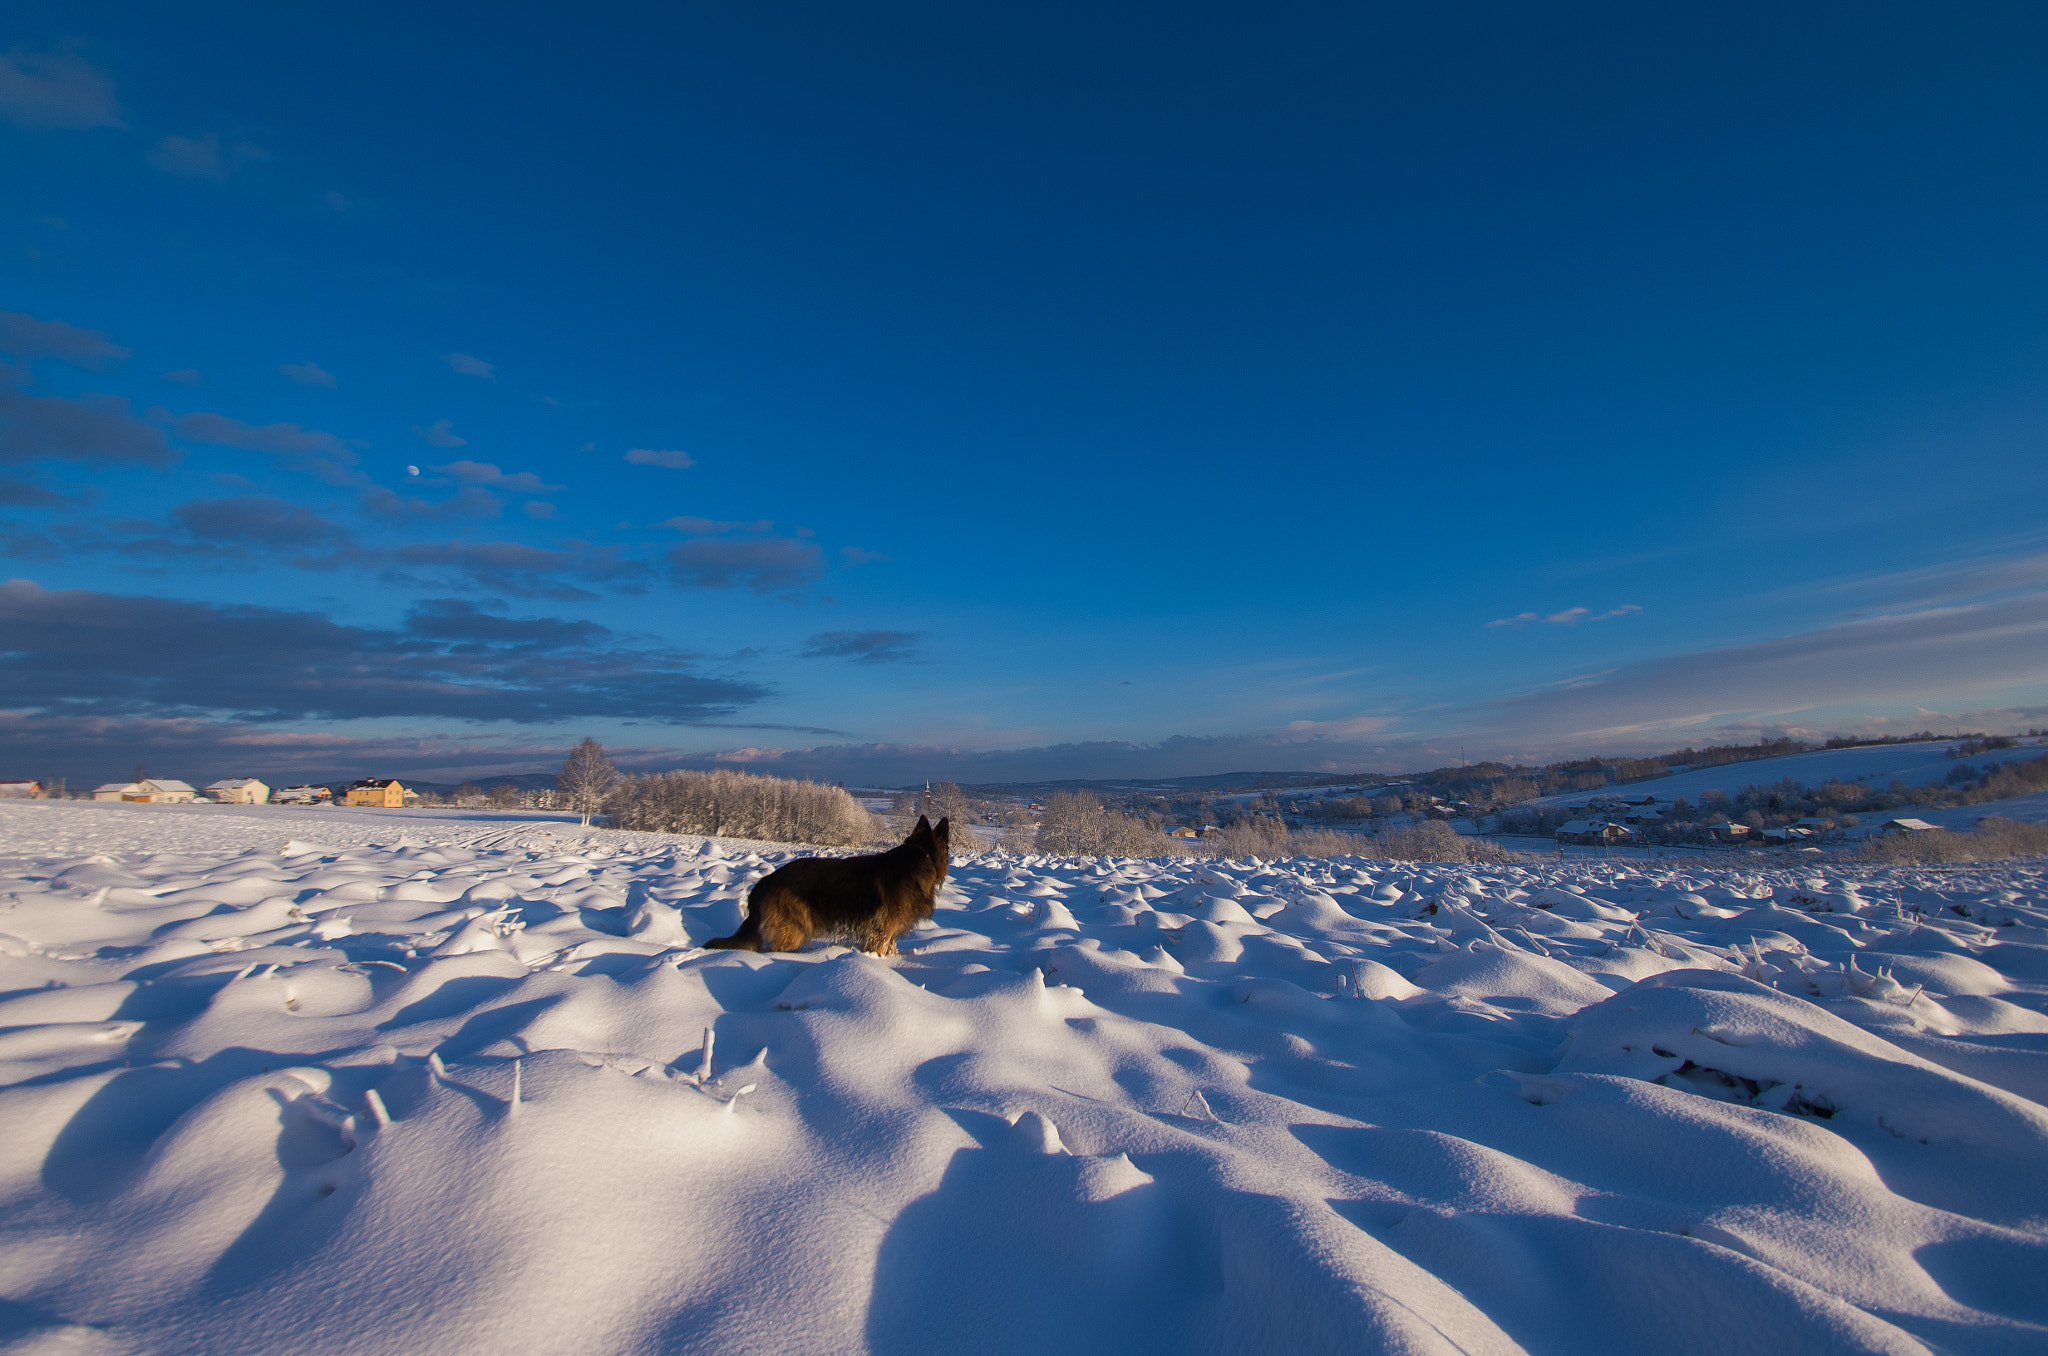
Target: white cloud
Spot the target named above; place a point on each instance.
(55, 90)
(470, 366)
(184, 376)
(441, 433)
(674, 461)
(309, 374)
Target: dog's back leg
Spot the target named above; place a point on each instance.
(748, 938)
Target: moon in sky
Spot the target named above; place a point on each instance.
(412, 470)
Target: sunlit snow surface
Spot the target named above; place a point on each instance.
(258, 1097)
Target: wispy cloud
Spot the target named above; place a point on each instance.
(864, 647)
(470, 501)
(856, 555)
(470, 366)
(203, 156)
(672, 460)
(90, 428)
(485, 473)
(440, 433)
(28, 339)
(296, 448)
(1920, 657)
(309, 374)
(524, 571)
(763, 565)
(706, 527)
(1570, 616)
(56, 90)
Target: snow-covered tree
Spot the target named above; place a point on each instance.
(586, 778)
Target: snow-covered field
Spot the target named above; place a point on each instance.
(300, 1081)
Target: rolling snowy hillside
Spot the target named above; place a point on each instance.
(1876, 766)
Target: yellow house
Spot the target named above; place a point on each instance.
(380, 792)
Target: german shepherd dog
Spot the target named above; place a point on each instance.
(867, 900)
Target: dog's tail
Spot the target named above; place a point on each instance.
(748, 938)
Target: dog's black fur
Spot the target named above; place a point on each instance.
(868, 900)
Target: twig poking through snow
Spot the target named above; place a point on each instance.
(704, 1064)
(735, 1099)
(434, 1063)
(1196, 1099)
(377, 1111)
(513, 1105)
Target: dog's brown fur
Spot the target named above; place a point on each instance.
(869, 901)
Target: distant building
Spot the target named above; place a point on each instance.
(381, 793)
(1908, 826)
(239, 791)
(22, 790)
(1790, 833)
(1730, 832)
(303, 794)
(1595, 832)
(151, 791)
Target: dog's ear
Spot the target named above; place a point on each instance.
(943, 837)
(923, 829)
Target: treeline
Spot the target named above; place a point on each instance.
(729, 804)
(1077, 824)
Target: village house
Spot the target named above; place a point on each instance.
(22, 790)
(304, 794)
(151, 791)
(1908, 826)
(381, 793)
(1730, 832)
(238, 791)
(1595, 832)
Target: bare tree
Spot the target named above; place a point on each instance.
(505, 796)
(586, 778)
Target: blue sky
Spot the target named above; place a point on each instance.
(969, 391)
